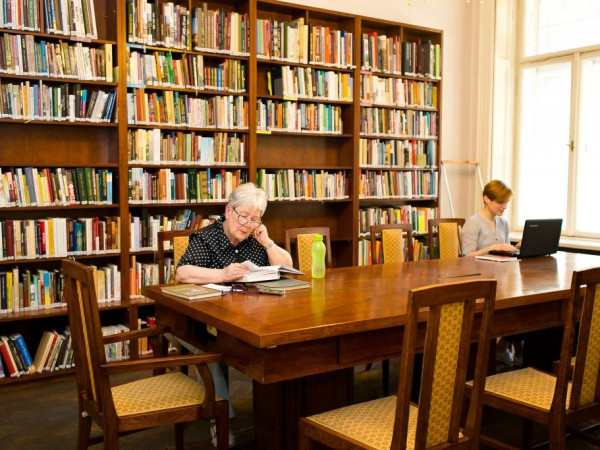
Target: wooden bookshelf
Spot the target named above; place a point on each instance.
(165, 84)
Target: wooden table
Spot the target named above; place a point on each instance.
(300, 348)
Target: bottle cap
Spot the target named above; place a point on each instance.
(318, 237)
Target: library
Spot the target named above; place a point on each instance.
(126, 125)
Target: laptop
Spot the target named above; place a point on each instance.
(540, 237)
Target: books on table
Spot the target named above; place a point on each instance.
(284, 284)
(191, 291)
(497, 258)
(265, 273)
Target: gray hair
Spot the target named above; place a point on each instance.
(248, 194)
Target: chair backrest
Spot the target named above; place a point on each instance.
(444, 234)
(585, 388)
(179, 241)
(86, 335)
(396, 243)
(450, 328)
(303, 245)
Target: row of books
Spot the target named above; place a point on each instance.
(298, 42)
(388, 122)
(417, 216)
(54, 352)
(158, 24)
(397, 184)
(306, 82)
(191, 185)
(220, 30)
(390, 54)
(393, 153)
(41, 101)
(116, 351)
(399, 92)
(298, 117)
(30, 289)
(65, 17)
(141, 274)
(289, 184)
(172, 108)
(157, 146)
(162, 69)
(145, 227)
(365, 250)
(24, 55)
(55, 186)
(58, 237)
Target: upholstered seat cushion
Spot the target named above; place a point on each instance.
(370, 423)
(529, 386)
(157, 393)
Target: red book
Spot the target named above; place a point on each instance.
(7, 356)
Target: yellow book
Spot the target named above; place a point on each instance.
(50, 237)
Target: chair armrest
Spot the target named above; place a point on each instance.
(135, 334)
(158, 363)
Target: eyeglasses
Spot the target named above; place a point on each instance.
(243, 220)
(248, 289)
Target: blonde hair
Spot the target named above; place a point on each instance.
(497, 191)
(248, 194)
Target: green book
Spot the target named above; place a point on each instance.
(81, 185)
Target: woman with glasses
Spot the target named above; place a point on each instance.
(215, 254)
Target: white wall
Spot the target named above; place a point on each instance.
(462, 124)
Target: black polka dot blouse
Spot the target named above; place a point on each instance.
(210, 247)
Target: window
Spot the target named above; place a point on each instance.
(557, 151)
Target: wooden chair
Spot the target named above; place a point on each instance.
(396, 243)
(179, 242)
(553, 399)
(397, 246)
(393, 422)
(303, 246)
(170, 398)
(446, 233)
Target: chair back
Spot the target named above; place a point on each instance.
(178, 240)
(396, 243)
(303, 245)
(444, 235)
(86, 335)
(585, 389)
(450, 327)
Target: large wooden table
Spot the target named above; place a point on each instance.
(300, 348)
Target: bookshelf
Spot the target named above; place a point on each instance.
(313, 105)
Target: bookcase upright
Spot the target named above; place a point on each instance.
(323, 109)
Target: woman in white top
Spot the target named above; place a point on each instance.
(488, 230)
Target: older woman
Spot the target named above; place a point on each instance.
(215, 254)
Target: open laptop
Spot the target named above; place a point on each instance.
(540, 237)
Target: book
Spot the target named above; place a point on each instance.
(265, 273)
(23, 350)
(191, 291)
(9, 360)
(44, 347)
(285, 284)
(497, 258)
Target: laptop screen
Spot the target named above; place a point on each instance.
(540, 237)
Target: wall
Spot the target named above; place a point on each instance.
(464, 129)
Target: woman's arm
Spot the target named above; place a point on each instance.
(203, 275)
(276, 254)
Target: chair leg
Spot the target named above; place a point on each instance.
(111, 439)
(179, 428)
(222, 425)
(527, 433)
(83, 433)
(385, 377)
(557, 436)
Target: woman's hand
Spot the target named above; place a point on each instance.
(262, 236)
(233, 271)
(503, 247)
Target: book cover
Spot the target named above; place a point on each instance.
(191, 291)
(46, 342)
(9, 361)
(17, 338)
(285, 284)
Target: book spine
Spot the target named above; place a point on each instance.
(22, 347)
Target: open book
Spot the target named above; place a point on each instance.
(265, 273)
(497, 258)
(191, 291)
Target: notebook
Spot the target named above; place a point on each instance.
(540, 237)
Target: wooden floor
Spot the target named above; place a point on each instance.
(45, 417)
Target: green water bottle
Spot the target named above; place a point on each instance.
(318, 257)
